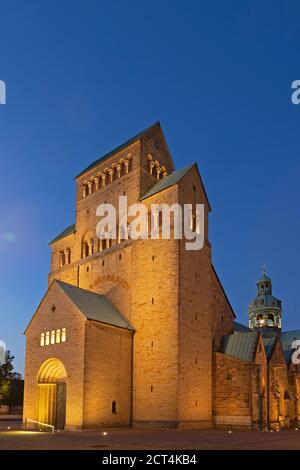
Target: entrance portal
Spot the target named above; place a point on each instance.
(52, 393)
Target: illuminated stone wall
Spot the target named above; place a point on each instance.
(107, 376)
(171, 296)
(70, 353)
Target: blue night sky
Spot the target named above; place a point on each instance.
(82, 77)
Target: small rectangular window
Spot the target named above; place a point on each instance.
(52, 337)
(57, 336)
(63, 335)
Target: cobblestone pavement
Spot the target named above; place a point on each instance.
(16, 438)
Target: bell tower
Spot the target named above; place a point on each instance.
(265, 310)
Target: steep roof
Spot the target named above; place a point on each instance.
(238, 327)
(67, 231)
(94, 306)
(287, 338)
(118, 149)
(269, 343)
(166, 182)
(240, 345)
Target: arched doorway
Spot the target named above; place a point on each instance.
(52, 393)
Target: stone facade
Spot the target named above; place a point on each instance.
(163, 367)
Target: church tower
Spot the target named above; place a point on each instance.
(265, 310)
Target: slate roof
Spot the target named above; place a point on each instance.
(166, 182)
(287, 338)
(269, 343)
(240, 345)
(241, 328)
(95, 306)
(67, 231)
(117, 149)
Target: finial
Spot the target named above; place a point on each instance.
(264, 267)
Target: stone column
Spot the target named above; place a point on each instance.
(103, 177)
(119, 169)
(158, 172)
(151, 166)
(96, 180)
(111, 174)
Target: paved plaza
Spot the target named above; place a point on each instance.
(13, 437)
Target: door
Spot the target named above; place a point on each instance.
(61, 395)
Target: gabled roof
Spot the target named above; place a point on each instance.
(287, 338)
(269, 343)
(240, 345)
(94, 306)
(168, 181)
(118, 149)
(238, 327)
(67, 231)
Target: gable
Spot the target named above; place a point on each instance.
(95, 306)
(277, 357)
(141, 135)
(71, 300)
(45, 319)
(166, 182)
(241, 345)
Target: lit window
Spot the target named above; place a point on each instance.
(52, 337)
(63, 335)
(42, 341)
(57, 336)
(47, 338)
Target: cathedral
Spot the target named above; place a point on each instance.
(140, 332)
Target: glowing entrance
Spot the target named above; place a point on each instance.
(52, 378)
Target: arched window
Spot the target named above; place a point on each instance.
(47, 338)
(114, 407)
(62, 259)
(63, 335)
(68, 255)
(85, 250)
(260, 319)
(84, 190)
(87, 244)
(42, 340)
(52, 340)
(57, 336)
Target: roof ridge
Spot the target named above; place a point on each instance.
(67, 231)
(104, 311)
(167, 182)
(118, 148)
